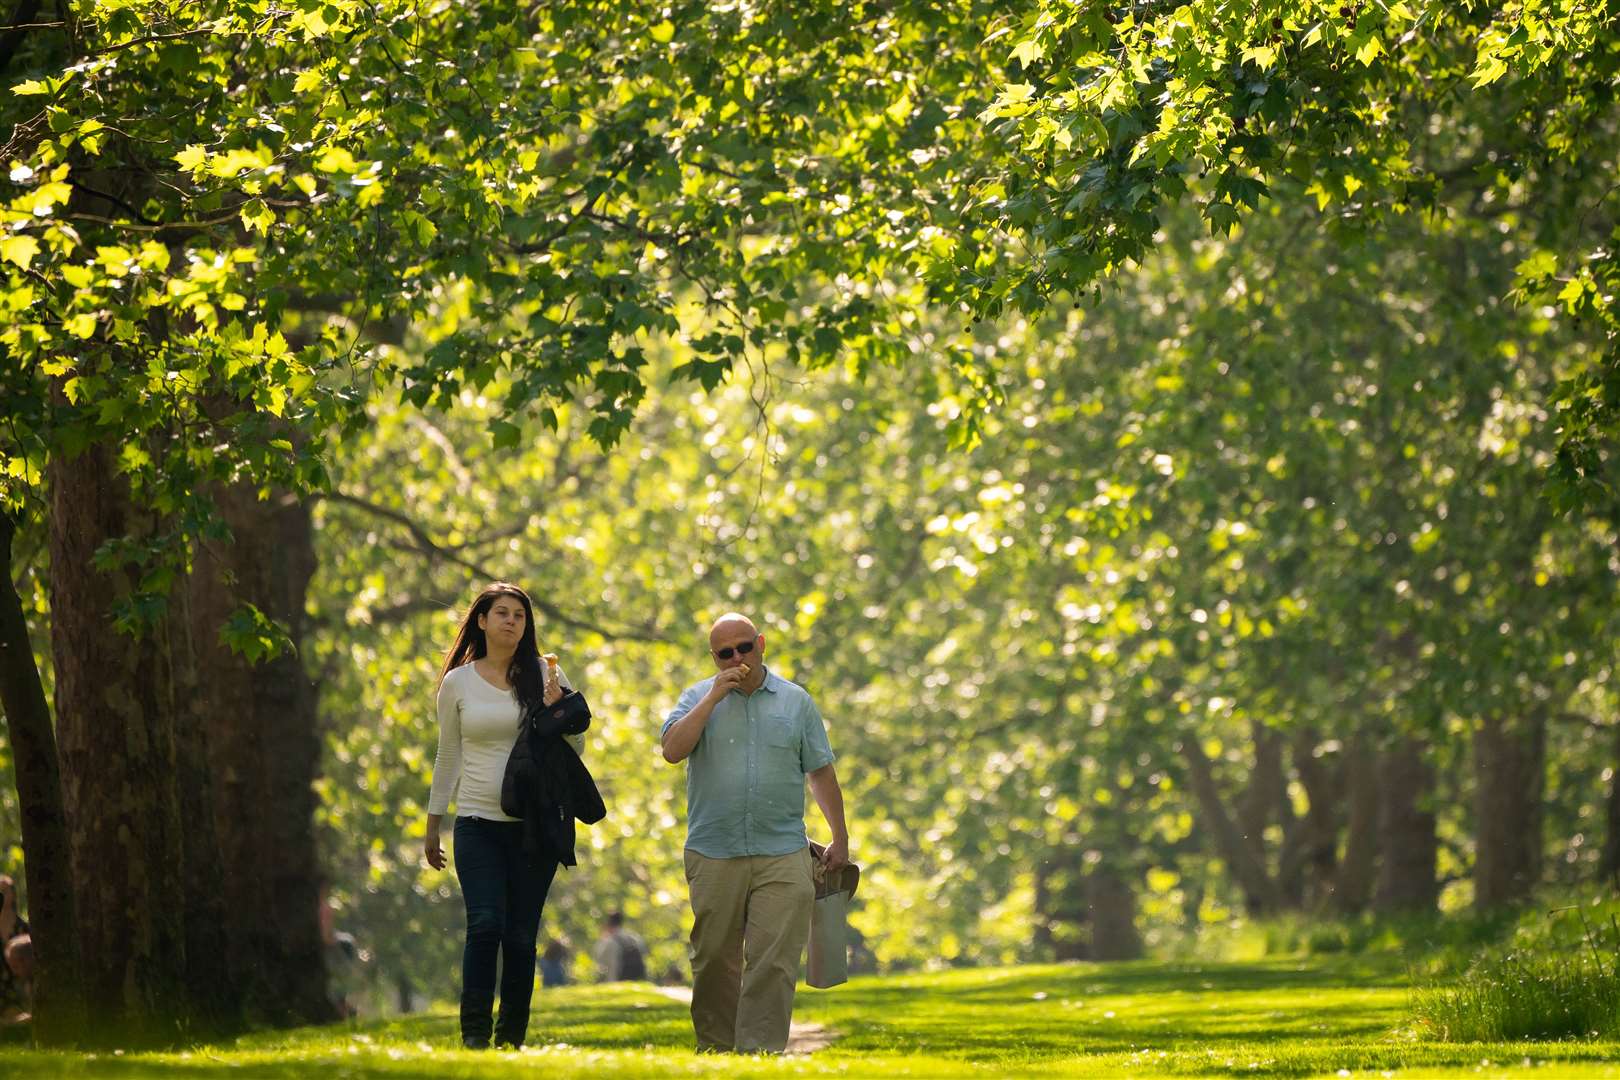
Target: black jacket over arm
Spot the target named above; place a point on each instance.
(549, 787)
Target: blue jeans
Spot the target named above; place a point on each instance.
(504, 892)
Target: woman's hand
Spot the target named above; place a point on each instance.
(553, 689)
(431, 847)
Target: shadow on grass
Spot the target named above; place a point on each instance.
(1278, 1018)
(1058, 1010)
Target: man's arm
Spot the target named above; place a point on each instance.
(681, 737)
(830, 797)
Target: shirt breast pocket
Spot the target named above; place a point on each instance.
(782, 735)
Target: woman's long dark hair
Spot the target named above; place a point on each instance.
(524, 674)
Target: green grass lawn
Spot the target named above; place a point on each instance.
(1336, 1017)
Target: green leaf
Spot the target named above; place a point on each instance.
(1029, 51)
(254, 636)
(19, 249)
(337, 159)
(1537, 267)
(504, 434)
(258, 217)
(192, 159)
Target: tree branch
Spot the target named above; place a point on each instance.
(20, 25)
(426, 545)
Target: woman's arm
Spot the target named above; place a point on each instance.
(576, 741)
(446, 770)
(432, 846)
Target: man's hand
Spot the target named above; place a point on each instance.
(835, 856)
(728, 680)
(433, 849)
(683, 735)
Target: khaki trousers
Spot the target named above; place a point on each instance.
(751, 920)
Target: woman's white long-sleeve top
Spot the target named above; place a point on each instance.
(478, 726)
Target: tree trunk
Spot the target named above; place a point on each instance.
(1609, 862)
(264, 752)
(1406, 830)
(1060, 906)
(1353, 883)
(1265, 792)
(1112, 905)
(206, 904)
(1259, 891)
(119, 770)
(1307, 867)
(47, 862)
(1510, 764)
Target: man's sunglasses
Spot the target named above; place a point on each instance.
(741, 650)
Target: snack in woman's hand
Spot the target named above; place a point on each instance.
(551, 660)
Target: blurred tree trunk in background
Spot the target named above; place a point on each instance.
(1407, 841)
(1510, 762)
(1111, 902)
(1357, 873)
(1609, 861)
(1309, 864)
(1267, 790)
(1260, 895)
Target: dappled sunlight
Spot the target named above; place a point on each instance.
(1277, 1019)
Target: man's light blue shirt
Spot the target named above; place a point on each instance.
(745, 776)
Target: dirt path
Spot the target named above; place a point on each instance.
(802, 1038)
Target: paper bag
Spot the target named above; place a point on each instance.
(829, 941)
(829, 924)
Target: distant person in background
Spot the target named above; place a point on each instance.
(16, 959)
(750, 739)
(554, 964)
(342, 959)
(620, 954)
(492, 675)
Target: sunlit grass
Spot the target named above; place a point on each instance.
(1522, 994)
(1338, 1016)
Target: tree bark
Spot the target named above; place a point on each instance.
(1112, 904)
(47, 861)
(206, 908)
(264, 753)
(117, 740)
(1264, 794)
(1060, 905)
(1353, 883)
(1609, 861)
(1260, 893)
(1510, 765)
(1308, 865)
(1406, 830)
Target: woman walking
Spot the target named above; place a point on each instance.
(493, 676)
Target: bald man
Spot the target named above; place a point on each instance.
(750, 739)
